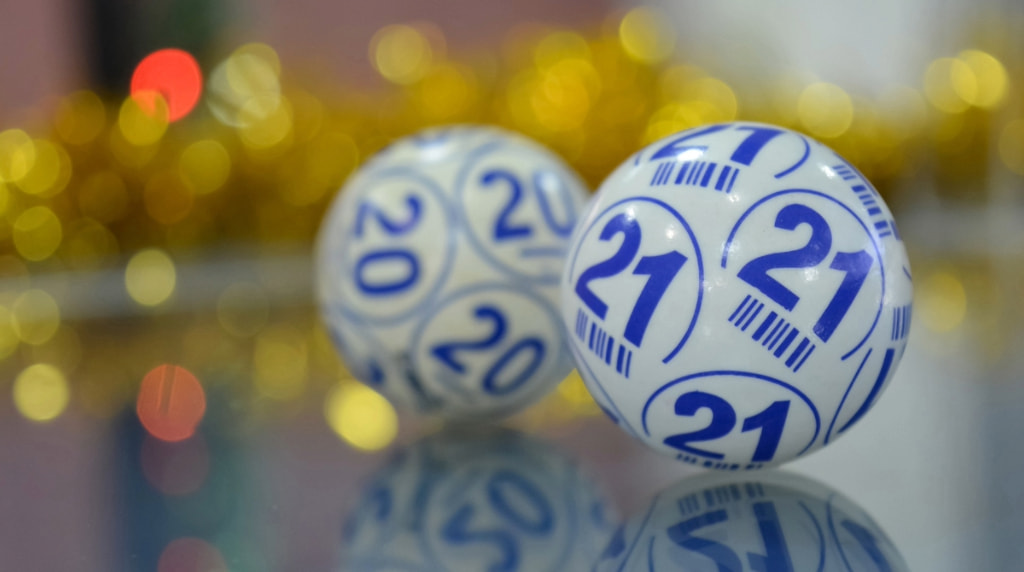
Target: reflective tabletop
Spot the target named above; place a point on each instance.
(278, 476)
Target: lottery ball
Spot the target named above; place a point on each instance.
(737, 295)
(776, 521)
(438, 267)
(488, 499)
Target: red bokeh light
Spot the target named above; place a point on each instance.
(172, 73)
(190, 555)
(171, 403)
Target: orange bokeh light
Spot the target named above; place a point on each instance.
(174, 75)
(190, 555)
(171, 403)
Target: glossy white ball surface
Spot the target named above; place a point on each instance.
(438, 269)
(768, 521)
(488, 499)
(736, 295)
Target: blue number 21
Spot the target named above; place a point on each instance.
(661, 269)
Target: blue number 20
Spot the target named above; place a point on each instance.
(771, 421)
(383, 256)
(662, 269)
(537, 521)
(445, 352)
(504, 229)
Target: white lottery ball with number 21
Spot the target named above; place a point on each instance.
(737, 295)
(438, 268)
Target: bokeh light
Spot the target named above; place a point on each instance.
(940, 301)
(171, 403)
(37, 232)
(574, 392)
(360, 416)
(17, 155)
(266, 122)
(8, 335)
(825, 110)
(646, 35)
(50, 171)
(191, 555)
(944, 81)
(987, 84)
(80, 118)
(175, 468)
(41, 393)
(175, 76)
(205, 164)
(35, 317)
(143, 124)
(250, 72)
(400, 53)
(150, 277)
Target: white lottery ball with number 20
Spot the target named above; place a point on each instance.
(438, 268)
(736, 295)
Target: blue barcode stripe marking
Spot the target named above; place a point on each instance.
(608, 352)
(882, 224)
(707, 174)
(785, 343)
(682, 172)
(774, 330)
(859, 189)
(796, 353)
(873, 211)
(752, 317)
(667, 174)
(732, 180)
(722, 177)
(590, 343)
(618, 362)
(767, 323)
(802, 360)
(743, 316)
(629, 360)
(785, 328)
(740, 307)
(693, 173)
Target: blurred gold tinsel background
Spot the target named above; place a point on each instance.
(144, 238)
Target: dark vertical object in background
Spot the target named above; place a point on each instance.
(125, 31)
(114, 49)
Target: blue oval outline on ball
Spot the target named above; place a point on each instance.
(696, 249)
(881, 266)
(762, 377)
(433, 188)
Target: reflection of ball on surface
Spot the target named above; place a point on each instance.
(490, 500)
(774, 521)
(438, 268)
(736, 295)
